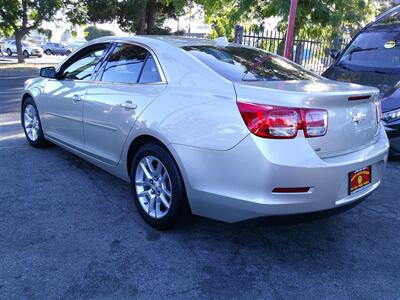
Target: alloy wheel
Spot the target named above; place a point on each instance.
(31, 122)
(153, 187)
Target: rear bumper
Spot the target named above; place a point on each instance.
(237, 184)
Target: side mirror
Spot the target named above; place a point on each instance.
(48, 72)
(334, 53)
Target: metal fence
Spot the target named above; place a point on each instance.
(312, 54)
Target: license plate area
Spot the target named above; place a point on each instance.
(359, 179)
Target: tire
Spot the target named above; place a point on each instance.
(48, 52)
(39, 56)
(37, 140)
(157, 189)
(9, 52)
(68, 53)
(26, 54)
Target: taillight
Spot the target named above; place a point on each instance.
(278, 122)
(315, 122)
(378, 108)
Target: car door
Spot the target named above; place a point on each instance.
(62, 98)
(129, 81)
(57, 48)
(13, 47)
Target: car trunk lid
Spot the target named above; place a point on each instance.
(352, 118)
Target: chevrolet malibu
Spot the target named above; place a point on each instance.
(210, 128)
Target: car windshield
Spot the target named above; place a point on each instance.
(249, 64)
(377, 49)
(27, 44)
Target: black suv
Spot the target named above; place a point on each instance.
(373, 58)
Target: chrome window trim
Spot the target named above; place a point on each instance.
(114, 41)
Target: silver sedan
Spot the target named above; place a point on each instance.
(210, 128)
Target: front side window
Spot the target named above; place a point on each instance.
(83, 65)
(249, 64)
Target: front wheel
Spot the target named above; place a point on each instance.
(9, 52)
(26, 54)
(157, 187)
(31, 123)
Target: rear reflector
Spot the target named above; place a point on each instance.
(291, 190)
(355, 98)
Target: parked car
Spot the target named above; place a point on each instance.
(28, 49)
(56, 49)
(222, 130)
(76, 44)
(373, 58)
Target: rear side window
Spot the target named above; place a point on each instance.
(125, 64)
(150, 71)
(249, 64)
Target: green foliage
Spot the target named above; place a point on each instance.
(384, 5)
(315, 18)
(20, 17)
(92, 32)
(26, 15)
(136, 16)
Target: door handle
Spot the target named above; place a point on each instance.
(76, 98)
(128, 105)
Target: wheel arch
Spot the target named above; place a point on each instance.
(25, 96)
(137, 142)
(147, 138)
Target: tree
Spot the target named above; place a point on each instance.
(92, 32)
(384, 5)
(315, 18)
(136, 16)
(20, 17)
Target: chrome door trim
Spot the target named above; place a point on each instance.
(100, 125)
(64, 117)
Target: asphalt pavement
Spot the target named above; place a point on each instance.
(69, 230)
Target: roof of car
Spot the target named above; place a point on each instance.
(178, 41)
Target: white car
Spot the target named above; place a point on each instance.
(221, 130)
(28, 49)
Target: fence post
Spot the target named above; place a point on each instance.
(238, 37)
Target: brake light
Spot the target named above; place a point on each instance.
(279, 122)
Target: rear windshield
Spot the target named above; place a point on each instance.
(249, 64)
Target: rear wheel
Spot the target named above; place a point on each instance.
(26, 54)
(9, 52)
(157, 187)
(31, 123)
(48, 52)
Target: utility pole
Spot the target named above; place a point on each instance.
(289, 35)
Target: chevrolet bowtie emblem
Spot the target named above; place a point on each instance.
(359, 117)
